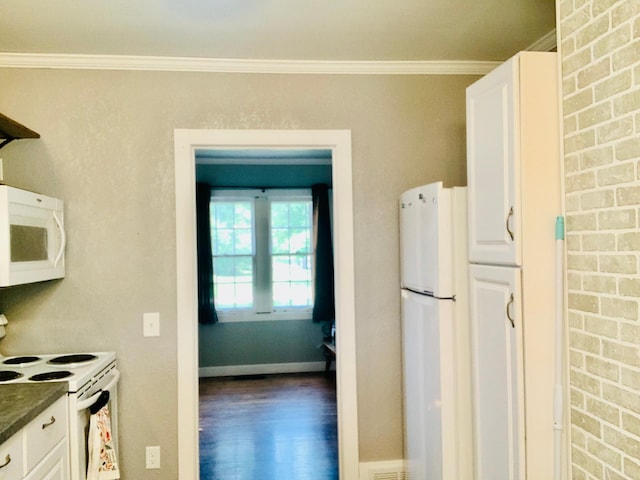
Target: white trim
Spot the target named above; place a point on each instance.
(262, 161)
(186, 142)
(261, 369)
(229, 65)
(548, 43)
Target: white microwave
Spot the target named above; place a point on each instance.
(32, 238)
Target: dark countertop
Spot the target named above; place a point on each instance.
(22, 402)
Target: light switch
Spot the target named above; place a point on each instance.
(151, 324)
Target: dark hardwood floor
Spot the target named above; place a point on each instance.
(272, 427)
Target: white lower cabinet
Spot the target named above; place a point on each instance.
(496, 349)
(11, 458)
(40, 450)
(55, 466)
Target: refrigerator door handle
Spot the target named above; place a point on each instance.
(513, 324)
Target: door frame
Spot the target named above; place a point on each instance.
(186, 143)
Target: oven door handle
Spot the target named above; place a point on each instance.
(94, 398)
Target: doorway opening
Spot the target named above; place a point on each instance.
(265, 411)
(187, 143)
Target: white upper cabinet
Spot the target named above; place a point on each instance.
(512, 144)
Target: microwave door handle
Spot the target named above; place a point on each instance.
(94, 398)
(63, 239)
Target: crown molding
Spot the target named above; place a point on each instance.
(221, 65)
(548, 43)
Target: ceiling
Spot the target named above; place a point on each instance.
(311, 30)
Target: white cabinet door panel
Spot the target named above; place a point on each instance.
(496, 349)
(492, 167)
(11, 457)
(55, 465)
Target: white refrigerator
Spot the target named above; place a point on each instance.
(435, 333)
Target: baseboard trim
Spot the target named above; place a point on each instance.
(387, 470)
(261, 369)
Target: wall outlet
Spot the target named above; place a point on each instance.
(151, 324)
(152, 457)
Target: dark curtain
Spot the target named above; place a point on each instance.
(206, 307)
(324, 299)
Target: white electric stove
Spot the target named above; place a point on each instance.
(76, 369)
(88, 376)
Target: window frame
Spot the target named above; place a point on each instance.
(263, 309)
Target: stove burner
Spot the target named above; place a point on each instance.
(74, 358)
(8, 375)
(21, 360)
(57, 375)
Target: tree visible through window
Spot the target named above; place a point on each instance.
(233, 252)
(262, 253)
(291, 253)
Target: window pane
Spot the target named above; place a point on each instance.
(233, 282)
(224, 295)
(301, 268)
(244, 295)
(300, 240)
(300, 294)
(222, 213)
(233, 250)
(291, 294)
(280, 240)
(291, 280)
(223, 269)
(243, 215)
(244, 241)
(291, 227)
(280, 269)
(279, 214)
(299, 214)
(290, 249)
(222, 239)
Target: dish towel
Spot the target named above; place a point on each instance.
(103, 464)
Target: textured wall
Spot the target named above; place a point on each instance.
(107, 149)
(600, 47)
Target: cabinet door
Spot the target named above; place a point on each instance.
(493, 167)
(45, 431)
(496, 349)
(11, 458)
(55, 465)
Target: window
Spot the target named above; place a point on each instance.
(262, 254)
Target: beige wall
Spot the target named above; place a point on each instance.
(107, 149)
(600, 47)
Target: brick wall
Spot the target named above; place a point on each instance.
(600, 49)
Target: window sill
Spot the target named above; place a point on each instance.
(263, 317)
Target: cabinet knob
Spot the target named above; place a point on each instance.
(7, 461)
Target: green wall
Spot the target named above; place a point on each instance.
(263, 342)
(255, 343)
